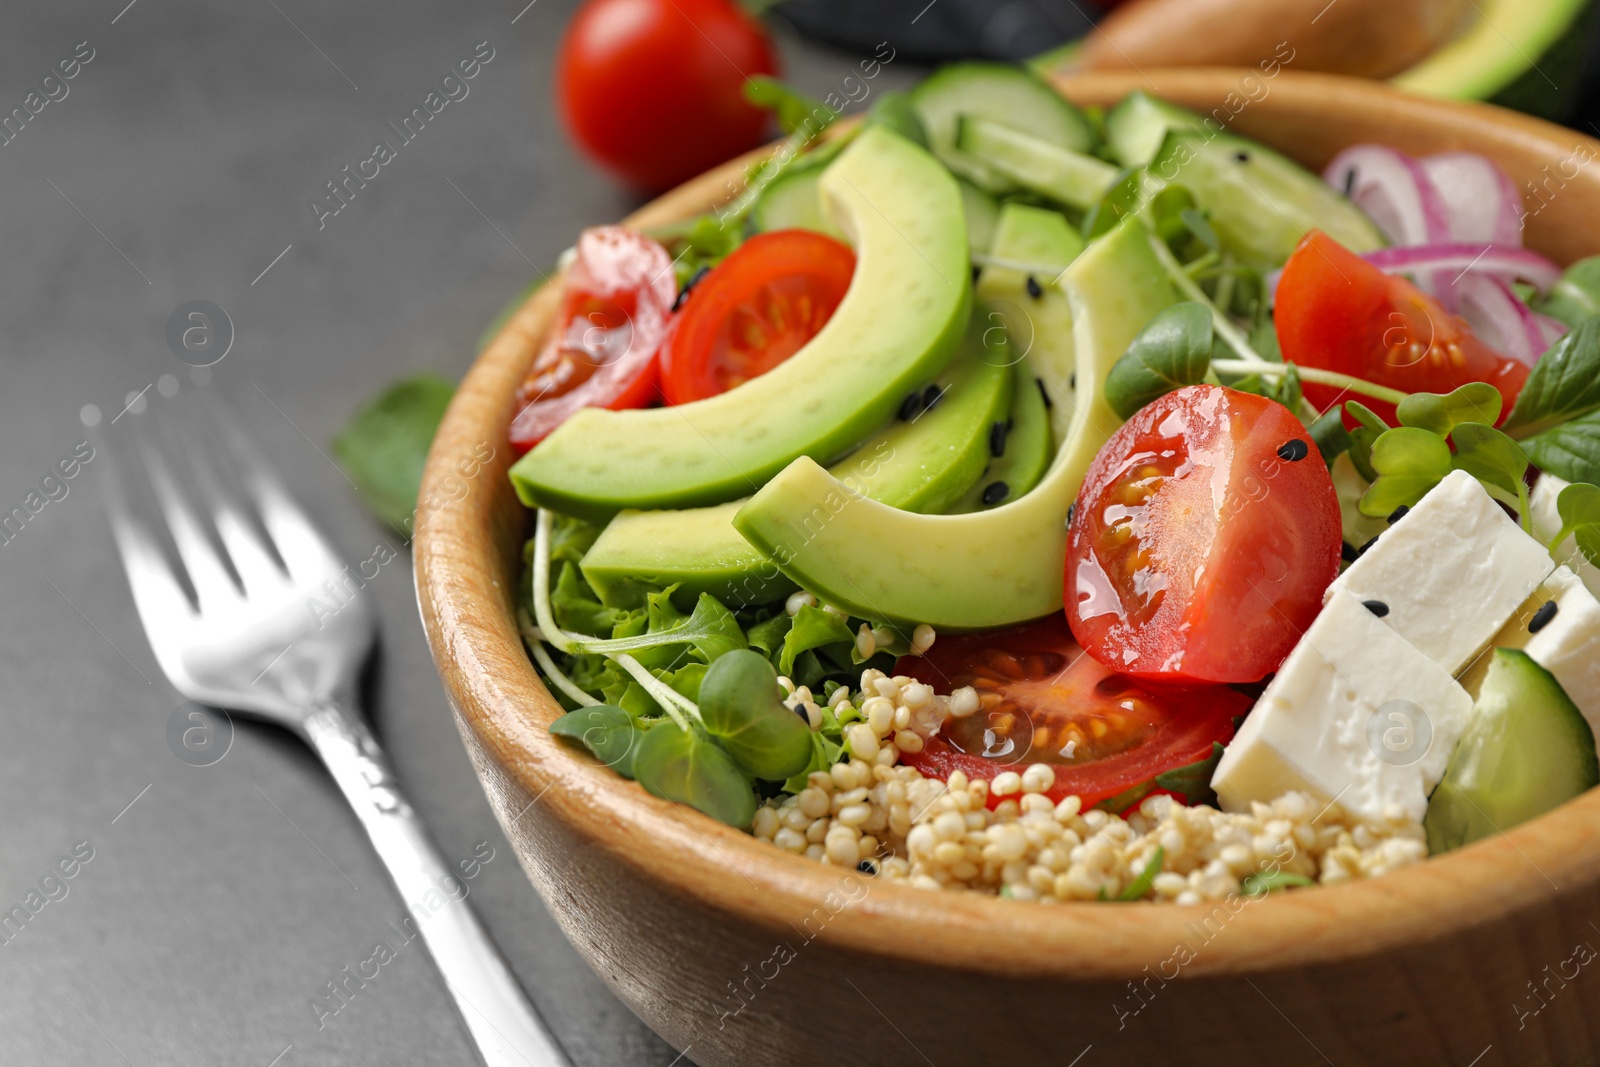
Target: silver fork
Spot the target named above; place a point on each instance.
(249, 638)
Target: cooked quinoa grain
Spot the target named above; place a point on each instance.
(869, 809)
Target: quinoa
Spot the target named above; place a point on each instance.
(873, 813)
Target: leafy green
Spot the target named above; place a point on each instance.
(1409, 462)
(1565, 383)
(701, 243)
(741, 707)
(768, 636)
(1193, 780)
(1365, 416)
(1579, 508)
(1576, 295)
(1491, 457)
(1473, 402)
(1172, 351)
(1263, 882)
(684, 766)
(687, 679)
(1141, 885)
(813, 628)
(825, 752)
(1363, 437)
(570, 538)
(605, 730)
(1329, 435)
(711, 629)
(794, 110)
(1570, 451)
(1284, 388)
(575, 607)
(385, 447)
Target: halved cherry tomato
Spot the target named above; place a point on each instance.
(1042, 700)
(1202, 540)
(601, 353)
(754, 310)
(1335, 311)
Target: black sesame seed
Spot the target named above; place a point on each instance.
(976, 272)
(1347, 552)
(1294, 451)
(997, 440)
(1072, 381)
(1398, 513)
(995, 492)
(1044, 393)
(1072, 507)
(1377, 607)
(1034, 289)
(800, 710)
(1542, 617)
(867, 867)
(694, 279)
(1349, 181)
(1363, 549)
(910, 406)
(1242, 156)
(931, 396)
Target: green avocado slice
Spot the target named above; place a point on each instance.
(924, 463)
(990, 568)
(898, 325)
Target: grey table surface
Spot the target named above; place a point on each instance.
(216, 903)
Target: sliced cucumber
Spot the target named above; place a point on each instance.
(791, 201)
(1026, 448)
(1070, 178)
(1136, 127)
(1526, 750)
(982, 211)
(1002, 93)
(895, 110)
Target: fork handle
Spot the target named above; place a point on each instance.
(504, 1026)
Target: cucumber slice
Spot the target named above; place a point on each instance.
(1136, 127)
(982, 212)
(1526, 750)
(1026, 444)
(1002, 93)
(1067, 177)
(791, 201)
(896, 111)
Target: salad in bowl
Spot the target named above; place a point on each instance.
(1063, 504)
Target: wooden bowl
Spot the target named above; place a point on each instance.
(741, 954)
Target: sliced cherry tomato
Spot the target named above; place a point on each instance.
(653, 90)
(1202, 540)
(601, 352)
(1335, 311)
(754, 310)
(1042, 700)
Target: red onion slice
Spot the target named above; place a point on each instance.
(1500, 320)
(1394, 191)
(1480, 202)
(1504, 261)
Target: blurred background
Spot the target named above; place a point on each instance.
(192, 154)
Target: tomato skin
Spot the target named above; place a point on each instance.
(753, 311)
(1335, 311)
(653, 90)
(1042, 690)
(1197, 551)
(616, 308)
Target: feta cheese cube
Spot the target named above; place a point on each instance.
(1450, 571)
(1566, 643)
(1341, 717)
(1547, 523)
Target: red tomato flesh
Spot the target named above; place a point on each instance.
(653, 90)
(754, 310)
(615, 308)
(1335, 311)
(1202, 540)
(1042, 700)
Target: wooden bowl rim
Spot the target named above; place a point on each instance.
(466, 608)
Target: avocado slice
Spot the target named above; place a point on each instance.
(991, 568)
(923, 463)
(1137, 126)
(900, 322)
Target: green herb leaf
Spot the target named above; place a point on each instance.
(824, 754)
(684, 766)
(741, 706)
(1408, 462)
(1193, 780)
(1579, 507)
(1284, 388)
(1570, 451)
(1365, 416)
(794, 110)
(1172, 351)
(384, 448)
(813, 627)
(1565, 383)
(1473, 402)
(1576, 295)
(768, 636)
(1262, 882)
(711, 628)
(1141, 885)
(1329, 435)
(605, 730)
(575, 607)
(1490, 456)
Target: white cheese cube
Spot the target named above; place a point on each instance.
(1547, 523)
(1344, 718)
(1567, 643)
(1451, 571)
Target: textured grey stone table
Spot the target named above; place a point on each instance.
(208, 908)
